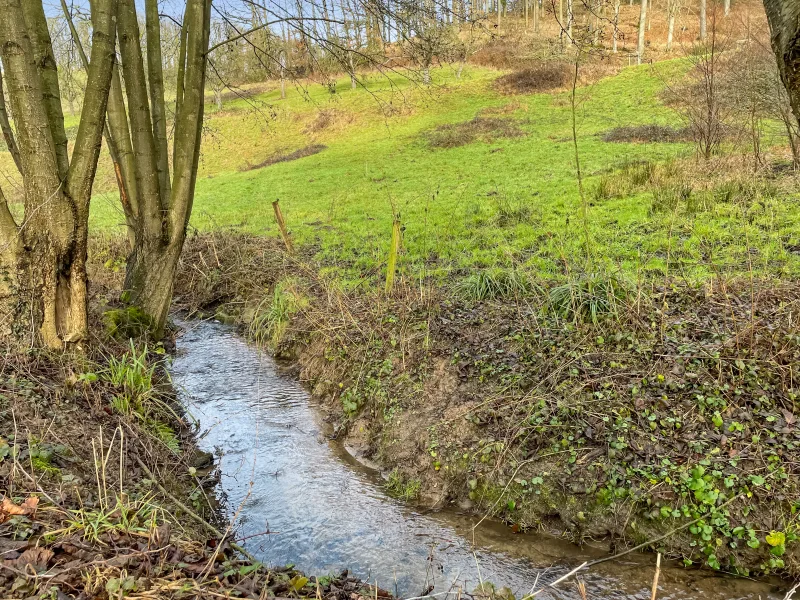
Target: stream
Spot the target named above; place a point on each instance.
(299, 498)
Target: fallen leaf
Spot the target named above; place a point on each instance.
(8, 508)
(34, 557)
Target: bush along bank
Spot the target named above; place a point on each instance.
(104, 493)
(591, 407)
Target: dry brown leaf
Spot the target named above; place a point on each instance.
(9, 509)
(34, 557)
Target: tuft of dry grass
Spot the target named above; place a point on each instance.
(647, 134)
(329, 119)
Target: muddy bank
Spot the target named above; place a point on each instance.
(677, 414)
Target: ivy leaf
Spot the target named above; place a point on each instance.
(776, 538)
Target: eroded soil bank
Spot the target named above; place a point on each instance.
(675, 413)
(300, 498)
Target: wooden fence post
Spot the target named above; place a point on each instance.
(282, 226)
(394, 248)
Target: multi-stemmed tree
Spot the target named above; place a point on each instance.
(43, 290)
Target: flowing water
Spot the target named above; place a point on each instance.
(324, 511)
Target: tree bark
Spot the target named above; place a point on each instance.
(642, 24)
(784, 24)
(44, 258)
(8, 133)
(670, 28)
(161, 228)
(703, 19)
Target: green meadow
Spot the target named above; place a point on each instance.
(494, 202)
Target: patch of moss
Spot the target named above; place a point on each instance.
(129, 322)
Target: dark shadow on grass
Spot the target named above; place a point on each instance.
(486, 129)
(279, 158)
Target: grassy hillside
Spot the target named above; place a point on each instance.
(494, 202)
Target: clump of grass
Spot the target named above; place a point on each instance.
(668, 198)
(512, 211)
(588, 298)
(275, 312)
(327, 118)
(493, 284)
(95, 525)
(632, 177)
(133, 376)
(486, 129)
(745, 192)
(543, 77)
(401, 487)
(647, 134)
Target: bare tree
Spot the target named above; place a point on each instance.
(703, 18)
(642, 25)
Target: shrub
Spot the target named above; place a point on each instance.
(543, 77)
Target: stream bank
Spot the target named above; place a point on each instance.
(105, 493)
(679, 410)
(298, 497)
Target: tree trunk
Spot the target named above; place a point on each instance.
(670, 28)
(5, 127)
(570, 19)
(727, 7)
(44, 259)
(784, 24)
(160, 227)
(703, 16)
(616, 25)
(642, 22)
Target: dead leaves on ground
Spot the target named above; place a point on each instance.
(8, 509)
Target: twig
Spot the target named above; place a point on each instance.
(791, 592)
(193, 514)
(655, 577)
(557, 581)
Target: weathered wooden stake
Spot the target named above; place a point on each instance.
(282, 226)
(654, 591)
(394, 248)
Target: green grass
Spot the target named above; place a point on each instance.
(508, 202)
